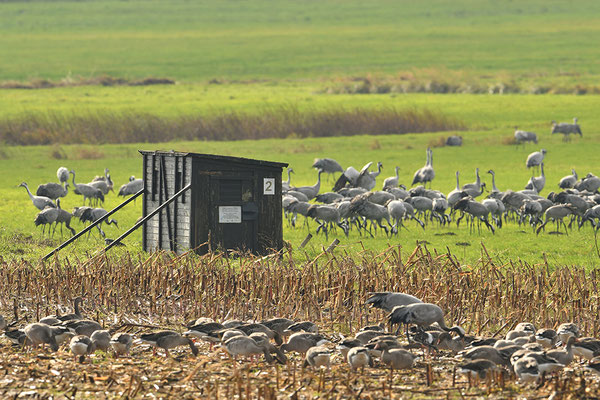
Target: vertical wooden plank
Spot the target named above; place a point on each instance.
(165, 190)
(145, 203)
(175, 235)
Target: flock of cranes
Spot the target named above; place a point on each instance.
(525, 353)
(48, 195)
(354, 203)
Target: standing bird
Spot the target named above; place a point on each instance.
(64, 217)
(566, 129)
(62, 174)
(358, 357)
(327, 165)
(524, 136)
(425, 174)
(535, 158)
(53, 190)
(421, 314)
(167, 340)
(367, 179)
(46, 217)
(40, 202)
(537, 183)
(310, 191)
(121, 343)
(131, 187)
(569, 181)
(388, 300)
(103, 183)
(285, 185)
(392, 181)
(81, 346)
(88, 192)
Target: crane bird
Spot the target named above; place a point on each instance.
(535, 158)
(392, 181)
(62, 174)
(537, 183)
(569, 181)
(88, 214)
(53, 190)
(131, 187)
(327, 165)
(88, 192)
(454, 141)
(557, 213)
(104, 183)
(425, 174)
(388, 300)
(524, 136)
(40, 202)
(475, 210)
(64, 217)
(367, 179)
(455, 195)
(495, 194)
(285, 185)
(326, 215)
(473, 189)
(310, 191)
(46, 217)
(566, 129)
(420, 314)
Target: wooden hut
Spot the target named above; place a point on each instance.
(225, 203)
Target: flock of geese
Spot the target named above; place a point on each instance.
(354, 202)
(524, 352)
(48, 196)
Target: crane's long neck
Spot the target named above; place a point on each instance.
(318, 184)
(430, 162)
(542, 169)
(289, 177)
(494, 188)
(397, 176)
(29, 192)
(575, 174)
(457, 185)
(73, 173)
(478, 178)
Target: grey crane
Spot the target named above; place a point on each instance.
(388, 300)
(496, 208)
(454, 140)
(46, 217)
(535, 158)
(310, 191)
(40, 202)
(397, 210)
(566, 129)
(381, 197)
(420, 314)
(591, 214)
(474, 187)
(299, 207)
(475, 210)
(495, 194)
(400, 192)
(438, 210)
(326, 215)
(53, 190)
(425, 174)
(131, 187)
(92, 215)
(456, 194)
(88, 192)
(370, 211)
(328, 197)
(569, 181)
(533, 209)
(524, 136)
(392, 181)
(103, 183)
(62, 174)
(64, 217)
(590, 182)
(537, 183)
(557, 213)
(327, 165)
(298, 195)
(367, 179)
(421, 204)
(410, 214)
(285, 185)
(349, 176)
(513, 200)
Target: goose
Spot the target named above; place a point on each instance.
(546, 337)
(421, 314)
(446, 342)
(251, 328)
(366, 336)
(310, 191)
(3, 323)
(358, 357)
(388, 300)
(121, 343)
(545, 364)
(566, 330)
(395, 358)
(167, 340)
(40, 202)
(83, 326)
(244, 346)
(302, 341)
(487, 353)
(478, 368)
(302, 326)
(526, 369)
(203, 330)
(39, 333)
(263, 341)
(17, 337)
(564, 356)
(318, 356)
(594, 366)
(76, 315)
(379, 327)
(391, 182)
(279, 325)
(101, 339)
(586, 348)
(81, 346)
(345, 345)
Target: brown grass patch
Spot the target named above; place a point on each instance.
(439, 142)
(103, 80)
(87, 153)
(509, 140)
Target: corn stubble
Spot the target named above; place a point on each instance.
(166, 290)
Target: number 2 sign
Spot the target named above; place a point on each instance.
(269, 186)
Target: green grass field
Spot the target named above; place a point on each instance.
(271, 54)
